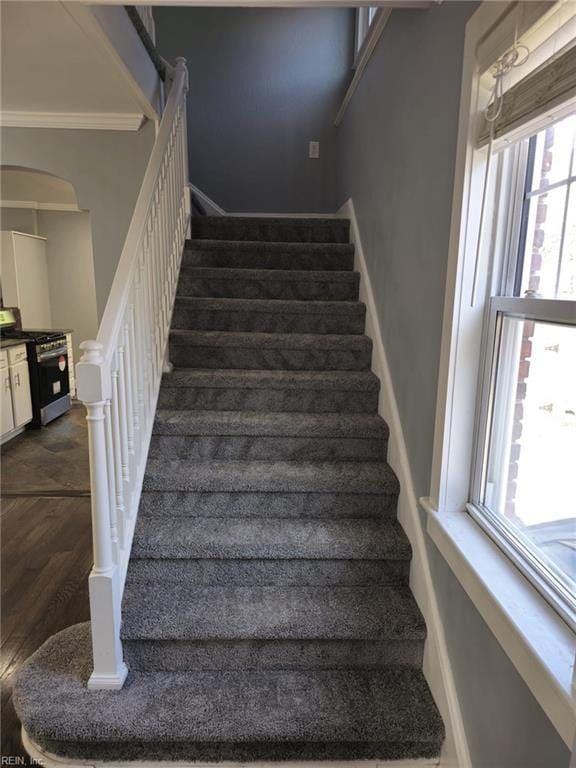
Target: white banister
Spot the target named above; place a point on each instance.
(119, 373)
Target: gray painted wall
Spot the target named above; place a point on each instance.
(106, 169)
(397, 148)
(263, 83)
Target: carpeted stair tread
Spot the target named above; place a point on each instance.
(262, 655)
(266, 572)
(270, 477)
(274, 275)
(272, 538)
(267, 436)
(307, 285)
(183, 612)
(272, 306)
(158, 503)
(360, 426)
(268, 255)
(239, 340)
(268, 315)
(327, 381)
(285, 229)
(335, 714)
(279, 351)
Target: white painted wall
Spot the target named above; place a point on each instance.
(105, 169)
(71, 273)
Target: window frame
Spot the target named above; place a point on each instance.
(524, 556)
(539, 643)
(364, 18)
(513, 178)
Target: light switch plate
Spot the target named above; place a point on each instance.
(314, 150)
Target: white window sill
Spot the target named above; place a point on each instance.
(538, 642)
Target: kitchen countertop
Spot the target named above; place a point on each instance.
(5, 343)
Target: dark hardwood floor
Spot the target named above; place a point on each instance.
(52, 460)
(45, 549)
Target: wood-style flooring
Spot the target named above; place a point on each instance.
(45, 548)
(52, 460)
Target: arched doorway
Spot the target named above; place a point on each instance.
(39, 204)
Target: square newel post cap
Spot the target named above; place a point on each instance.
(92, 379)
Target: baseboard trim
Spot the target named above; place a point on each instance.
(49, 760)
(284, 215)
(213, 209)
(437, 668)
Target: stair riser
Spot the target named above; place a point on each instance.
(194, 319)
(209, 655)
(330, 505)
(271, 230)
(249, 447)
(262, 400)
(241, 752)
(340, 262)
(192, 283)
(260, 359)
(257, 572)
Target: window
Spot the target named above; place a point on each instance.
(524, 485)
(364, 19)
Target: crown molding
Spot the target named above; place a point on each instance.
(102, 121)
(36, 206)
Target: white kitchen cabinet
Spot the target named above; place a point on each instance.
(24, 276)
(7, 416)
(21, 400)
(20, 385)
(16, 397)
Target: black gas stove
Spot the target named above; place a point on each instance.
(47, 353)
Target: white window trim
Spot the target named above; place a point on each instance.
(362, 56)
(540, 645)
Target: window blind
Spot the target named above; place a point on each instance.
(552, 84)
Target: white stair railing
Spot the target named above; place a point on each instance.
(119, 374)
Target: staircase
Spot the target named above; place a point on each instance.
(266, 613)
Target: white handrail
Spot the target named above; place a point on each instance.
(119, 374)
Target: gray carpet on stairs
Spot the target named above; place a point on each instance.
(294, 285)
(218, 715)
(267, 613)
(262, 255)
(268, 315)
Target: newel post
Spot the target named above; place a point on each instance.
(93, 381)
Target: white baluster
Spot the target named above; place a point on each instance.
(150, 333)
(181, 67)
(111, 484)
(131, 345)
(127, 379)
(171, 217)
(140, 327)
(156, 303)
(121, 499)
(122, 411)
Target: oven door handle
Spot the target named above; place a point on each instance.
(52, 353)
